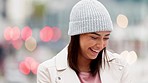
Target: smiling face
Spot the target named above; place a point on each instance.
(92, 43)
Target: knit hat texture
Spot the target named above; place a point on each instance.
(89, 16)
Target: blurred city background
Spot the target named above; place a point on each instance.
(32, 31)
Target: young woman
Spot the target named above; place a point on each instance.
(85, 59)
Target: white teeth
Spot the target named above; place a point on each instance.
(95, 50)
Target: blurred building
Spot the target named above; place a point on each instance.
(55, 13)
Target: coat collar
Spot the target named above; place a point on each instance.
(61, 57)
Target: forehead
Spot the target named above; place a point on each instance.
(101, 33)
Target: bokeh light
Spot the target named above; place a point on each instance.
(124, 54)
(34, 66)
(17, 44)
(130, 57)
(29, 60)
(24, 67)
(28, 65)
(15, 33)
(7, 34)
(122, 21)
(30, 44)
(46, 34)
(56, 34)
(26, 32)
(12, 33)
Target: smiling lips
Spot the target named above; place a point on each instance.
(94, 51)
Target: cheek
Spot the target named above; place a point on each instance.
(85, 44)
(90, 43)
(105, 44)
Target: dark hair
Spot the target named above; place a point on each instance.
(73, 49)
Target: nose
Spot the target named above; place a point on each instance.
(100, 44)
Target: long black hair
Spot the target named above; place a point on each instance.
(73, 49)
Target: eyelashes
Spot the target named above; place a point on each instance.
(106, 38)
(95, 38)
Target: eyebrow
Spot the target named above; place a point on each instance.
(99, 34)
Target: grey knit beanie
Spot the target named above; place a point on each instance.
(89, 16)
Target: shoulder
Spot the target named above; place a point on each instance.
(118, 63)
(59, 61)
(119, 67)
(47, 64)
(117, 59)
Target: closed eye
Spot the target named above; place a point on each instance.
(106, 38)
(94, 38)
